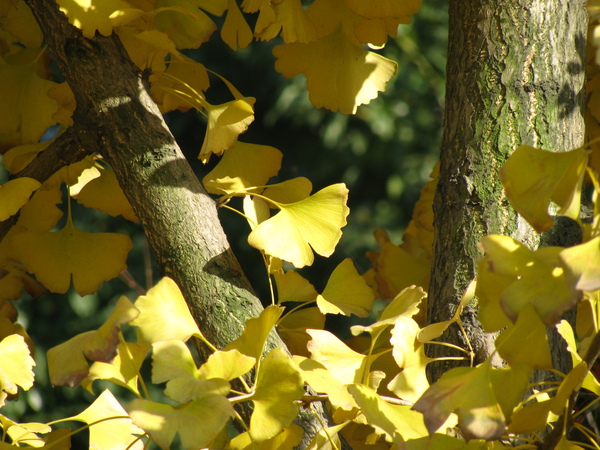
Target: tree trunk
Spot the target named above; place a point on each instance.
(116, 117)
(515, 76)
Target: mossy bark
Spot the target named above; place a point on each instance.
(116, 117)
(515, 76)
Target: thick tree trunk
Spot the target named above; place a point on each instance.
(515, 75)
(116, 117)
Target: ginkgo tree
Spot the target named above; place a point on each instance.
(213, 352)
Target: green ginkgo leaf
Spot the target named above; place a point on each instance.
(87, 259)
(68, 362)
(313, 222)
(533, 177)
(14, 194)
(243, 166)
(110, 427)
(346, 292)
(278, 386)
(164, 314)
(162, 422)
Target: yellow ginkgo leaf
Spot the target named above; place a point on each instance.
(63, 95)
(278, 386)
(41, 212)
(26, 434)
(582, 265)
(123, 370)
(109, 425)
(289, 191)
(528, 328)
(14, 194)
(147, 49)
(25, 108)
(288, 438)
(257, 329)
(293, 287)
(70, 254)
(164, 314)
(68, 362)
(17, 158)
(313, 222)
(339, 75)
(243, 166)
(94, 15)
(183, 78)
(16, 366)
(235, 31)
(399, 423)
(18, 20)
(375, 32)
(105, 194)
(564, 329)
(346, 292)
(291, 21)
(292, 329)
(533, 177)
(225, 123)
(468, 392)
(186, 25)
(162, 422)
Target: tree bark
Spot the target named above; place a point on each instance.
(117, 118)
(515, 76)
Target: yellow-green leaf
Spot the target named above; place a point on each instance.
(288, 439)
(346, 292)
(313, 222)
(16, 366)
(162, 421)
(468, 392)
(278, 386)
(257, 329)
(87, 259)
(14, 194)
(533, 177)
(68, 362)
(225, 123)
(94, 15)
(164, 314)
(399, 423)
(243, 166)
(293, 287)
(582, 265)
(110, 427)
(339, 75)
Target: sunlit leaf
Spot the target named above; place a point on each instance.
(86, 259)
(322, 380)
(243, 166)
(110, 427)
(564, 329)
(468, 392)
(14, 194)
(26, 434)
(289, 438)
(289, 191)
(533, 177)
(313, 222)
(293, 287)
(94, 15)
(256, 331)
(162, 421)
(278, 385)
(235, 31)
(123, 370)
(327, 438)
(185, 24)
(16, 366)
(339, 75)
(147, 49)
(582, 265)
(346, 292)
(291, 21)
(400, 269)
(398, 422)
(225, 123)
(105, 194)
(164, 314)
(292, 329)
(68, 362)
(538, 278)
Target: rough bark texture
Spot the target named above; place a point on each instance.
(116, 117)
(515, 75)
